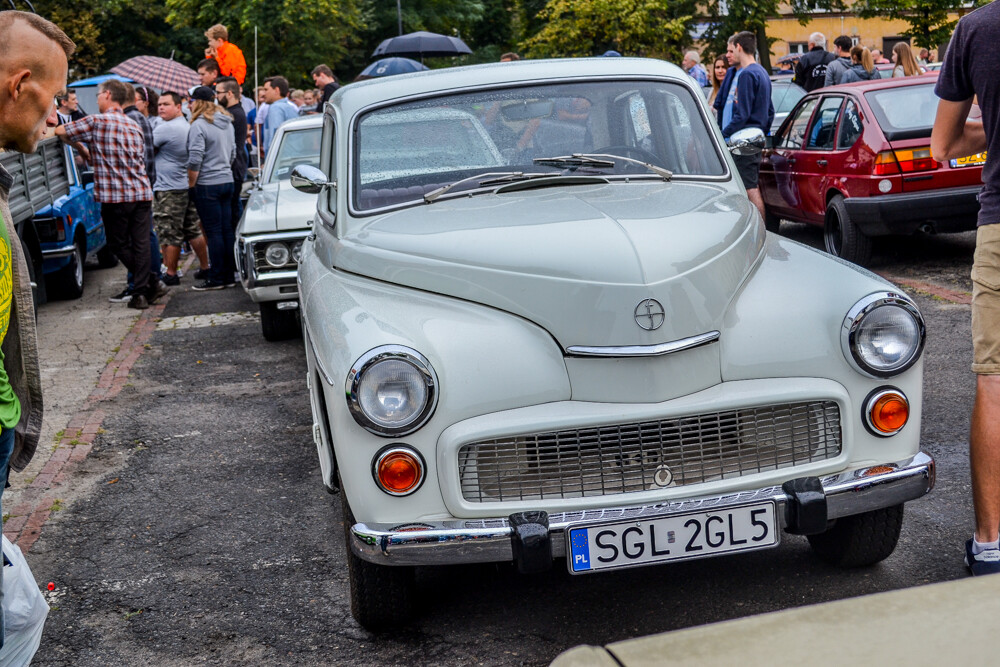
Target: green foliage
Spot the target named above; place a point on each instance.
(652, 28)
(928, 19)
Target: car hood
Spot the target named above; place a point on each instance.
(575, 260)
(278, 207)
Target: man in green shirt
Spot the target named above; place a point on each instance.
(33, 66)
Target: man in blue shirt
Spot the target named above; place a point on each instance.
(279, 109)
(748, 104)
(692, 65)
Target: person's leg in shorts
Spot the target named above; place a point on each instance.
(984, 438)
(748, 167)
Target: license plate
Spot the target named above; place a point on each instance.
(680, 537)
(976, 160)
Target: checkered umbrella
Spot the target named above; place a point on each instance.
(159, 73)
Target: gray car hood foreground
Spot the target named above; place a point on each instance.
(575, 260)
(278, 207)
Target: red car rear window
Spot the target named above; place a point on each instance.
(906, 112)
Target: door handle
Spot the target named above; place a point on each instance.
(821, 163)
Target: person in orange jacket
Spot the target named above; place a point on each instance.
(230, 58)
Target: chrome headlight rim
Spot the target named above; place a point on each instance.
(382, 353)
(855, 318)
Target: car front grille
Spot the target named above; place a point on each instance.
(628, 458)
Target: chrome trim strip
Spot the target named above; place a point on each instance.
(488, 540)
(275, 276)
(64, 251)
(644, 350)
(319, 362)
(277, 236)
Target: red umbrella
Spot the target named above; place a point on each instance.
(159, 73)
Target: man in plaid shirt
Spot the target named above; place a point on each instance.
(116, 149)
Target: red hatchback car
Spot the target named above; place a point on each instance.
(856, 159)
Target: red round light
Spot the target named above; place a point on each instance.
(399, 472)
(890, 412)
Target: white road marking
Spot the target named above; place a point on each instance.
(213, 320)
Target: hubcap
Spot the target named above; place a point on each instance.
(78, 259)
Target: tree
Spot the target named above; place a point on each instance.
(732, 16)
(653, 28)
(930, 25)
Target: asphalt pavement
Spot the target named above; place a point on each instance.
(199, 531)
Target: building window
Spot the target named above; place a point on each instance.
(797, 47)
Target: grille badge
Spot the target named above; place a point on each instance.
(663, 477)
(649, 314)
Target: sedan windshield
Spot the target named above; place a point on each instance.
(297, 147)
(406, 151)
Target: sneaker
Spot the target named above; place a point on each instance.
(122, 296)
(139, 302)
(987, 562)
(172, 281)
(156, 290)
(201, 274)
(205, 285)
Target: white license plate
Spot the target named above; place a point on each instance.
(680, 537)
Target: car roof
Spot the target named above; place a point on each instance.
(356, 96)
(879, 84)
(313, 120)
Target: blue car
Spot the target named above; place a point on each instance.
(70, 231)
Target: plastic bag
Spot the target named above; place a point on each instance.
(24, 609)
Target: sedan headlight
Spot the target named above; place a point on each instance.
(276, 255)
(392, 390)
(883, 334)
(297, 251)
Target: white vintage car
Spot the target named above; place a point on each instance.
(544, 323)
(276, 219)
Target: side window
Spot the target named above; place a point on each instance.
(795, 131)
(328, 160)
(823, 130)
(850, 127)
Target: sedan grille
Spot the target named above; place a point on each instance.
(628, 458)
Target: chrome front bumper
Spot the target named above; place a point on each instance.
(489, 540)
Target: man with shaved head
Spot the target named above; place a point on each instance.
(33, 65)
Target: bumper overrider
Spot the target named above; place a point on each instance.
(803, 506)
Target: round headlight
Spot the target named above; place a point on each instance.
(297, 251)
(391, 390)
(276, 255)
(883, 335)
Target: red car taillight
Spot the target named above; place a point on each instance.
(885, 164)
(916, 159)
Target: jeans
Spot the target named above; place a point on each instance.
(155, 260)
(214, 204)
(6, 449)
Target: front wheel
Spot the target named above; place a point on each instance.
(67, 282)
(382, 596)
(842, 237)
(278, 324)
(860, 540)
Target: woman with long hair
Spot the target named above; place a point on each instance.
(906, 62)
(211, 150)
(862, 67)
(717, 74)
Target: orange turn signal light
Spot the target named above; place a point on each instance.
(888, 412)
(398, 471)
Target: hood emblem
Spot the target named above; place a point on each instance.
(649, 314)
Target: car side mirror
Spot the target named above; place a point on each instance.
(309, 179)
(748, 141)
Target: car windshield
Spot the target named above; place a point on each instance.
(405, 151)
(906, 112)
(785, 95)
(296, 147)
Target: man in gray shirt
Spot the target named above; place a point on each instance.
(174, 213)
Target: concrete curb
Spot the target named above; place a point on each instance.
(36, 504)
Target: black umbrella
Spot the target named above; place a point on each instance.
(421, 45)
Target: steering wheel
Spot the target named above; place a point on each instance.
(633, 152)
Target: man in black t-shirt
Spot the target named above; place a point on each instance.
(323, 76)
(227, 91)
(969, 72)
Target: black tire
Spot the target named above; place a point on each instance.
(67, 282)
(771, 222)
(842, 237)
(38, 291)
(278, 324)
(860, 540)
(106, 259)
(382, 597)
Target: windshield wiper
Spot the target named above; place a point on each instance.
(600, 161)
(483, 180)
